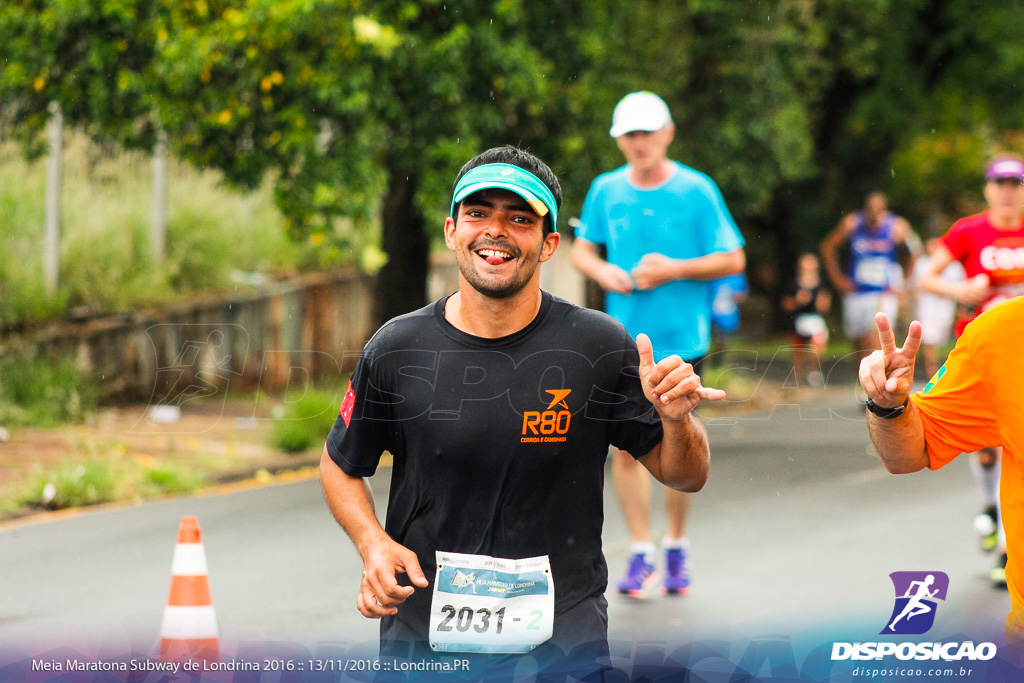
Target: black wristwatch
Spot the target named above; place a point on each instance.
(887, 413)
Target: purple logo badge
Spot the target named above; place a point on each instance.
(917, 594)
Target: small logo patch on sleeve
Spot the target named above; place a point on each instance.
(348, 405)
(934, 380)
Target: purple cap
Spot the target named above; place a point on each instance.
(1006, 167)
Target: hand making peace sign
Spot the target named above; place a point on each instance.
(888, 374)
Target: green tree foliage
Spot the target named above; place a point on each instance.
(95, 58)
(742, 79)
(353, 108)
(366, 108)
(920, 95)
(343, 103)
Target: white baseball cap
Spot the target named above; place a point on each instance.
(639, 111)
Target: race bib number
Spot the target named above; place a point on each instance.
(872, 272)
(491, 605)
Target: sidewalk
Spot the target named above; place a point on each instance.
(223, 442)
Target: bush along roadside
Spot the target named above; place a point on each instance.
(304, 420)
(43, 393)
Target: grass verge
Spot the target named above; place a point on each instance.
(100, 474)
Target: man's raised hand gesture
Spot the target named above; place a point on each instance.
(887, 375)
(671, 384)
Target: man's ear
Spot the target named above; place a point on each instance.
(990, 192)
(449, 233)
(670, 133)
(551, 242)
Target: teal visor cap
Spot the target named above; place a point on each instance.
(511, 178)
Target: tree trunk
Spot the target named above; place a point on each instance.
(787, 251)
(775, 226)
(402, 282)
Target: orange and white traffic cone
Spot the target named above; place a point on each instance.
(189, 629)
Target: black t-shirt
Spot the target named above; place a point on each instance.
(499, 444)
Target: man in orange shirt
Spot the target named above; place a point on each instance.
(974, 401)
(990, 246)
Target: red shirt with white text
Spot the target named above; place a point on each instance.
(983, 248)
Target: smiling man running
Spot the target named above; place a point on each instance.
(498, 404)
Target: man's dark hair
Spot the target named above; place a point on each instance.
(524, 160)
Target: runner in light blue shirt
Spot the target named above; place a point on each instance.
(684, 217)
(668, 235)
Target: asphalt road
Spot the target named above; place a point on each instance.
(795, 533)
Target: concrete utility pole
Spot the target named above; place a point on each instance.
(158, 229)
(54, 184)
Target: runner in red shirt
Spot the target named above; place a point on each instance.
(990, 246)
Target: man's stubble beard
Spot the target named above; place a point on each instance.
(504, 290)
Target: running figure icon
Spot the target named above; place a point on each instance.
(915, 605)
(463, 580)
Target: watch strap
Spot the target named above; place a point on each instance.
(887, 413)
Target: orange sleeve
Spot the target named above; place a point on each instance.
(956, 406)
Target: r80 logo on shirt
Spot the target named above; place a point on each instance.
(541, 426)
